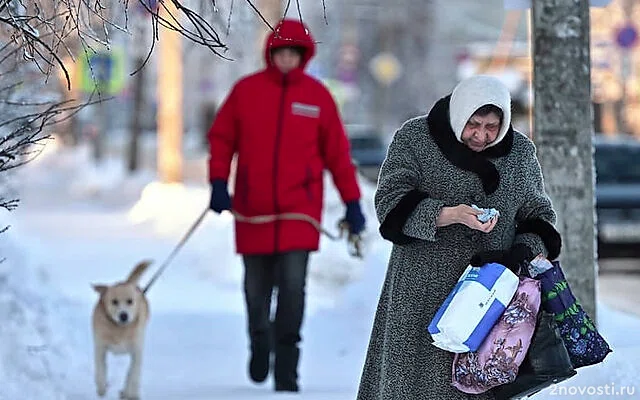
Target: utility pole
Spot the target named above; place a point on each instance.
(140, 20)
(563, 132)
(169, 96)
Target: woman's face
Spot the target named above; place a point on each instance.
(286, 59)
(481, 131)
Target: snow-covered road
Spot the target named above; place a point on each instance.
(78, 226)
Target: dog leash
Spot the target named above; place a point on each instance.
(263, 219)
(353, 240)
(175, 250)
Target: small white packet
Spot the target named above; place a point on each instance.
(539, 265)
(487, 213)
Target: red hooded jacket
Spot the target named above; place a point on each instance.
(286, 130)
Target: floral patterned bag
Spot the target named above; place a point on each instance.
(546, 363)
(583, 342)
(498, 359)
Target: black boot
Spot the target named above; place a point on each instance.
(259, 362)
(286, 368)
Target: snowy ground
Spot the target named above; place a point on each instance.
(78, 225)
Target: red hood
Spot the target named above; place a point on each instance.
(290, 32)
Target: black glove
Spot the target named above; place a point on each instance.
(220, 199)
(514, 259)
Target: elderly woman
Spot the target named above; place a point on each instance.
(463, 152)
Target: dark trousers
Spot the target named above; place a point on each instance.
(287, 272)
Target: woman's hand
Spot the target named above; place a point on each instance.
(466, 215)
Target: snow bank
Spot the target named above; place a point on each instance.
(34, 340)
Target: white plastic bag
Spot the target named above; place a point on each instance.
(473, 307)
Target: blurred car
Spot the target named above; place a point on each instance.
(617, 165)
(367, 149)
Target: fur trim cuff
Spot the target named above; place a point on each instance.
(547, 232)
(391, 227)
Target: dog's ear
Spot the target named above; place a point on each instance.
(137, 272)
(102, 289)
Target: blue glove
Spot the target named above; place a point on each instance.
(354, 217)
(220, 199)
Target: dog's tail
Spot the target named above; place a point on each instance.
(137, 272)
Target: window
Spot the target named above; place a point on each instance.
(366, 143)
(617, 163)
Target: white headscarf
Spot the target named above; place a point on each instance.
(473, 93)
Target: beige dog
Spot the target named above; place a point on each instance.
(119, 321)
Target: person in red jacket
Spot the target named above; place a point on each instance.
(285, 129)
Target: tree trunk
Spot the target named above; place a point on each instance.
(135, 126)
(563, 133)
(100, 131)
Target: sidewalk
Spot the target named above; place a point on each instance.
(619, 285)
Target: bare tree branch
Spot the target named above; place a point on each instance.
(9, 204)
(44, 30)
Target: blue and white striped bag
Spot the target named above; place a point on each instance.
(473, 307)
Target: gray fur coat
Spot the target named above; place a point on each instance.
(426, 168)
